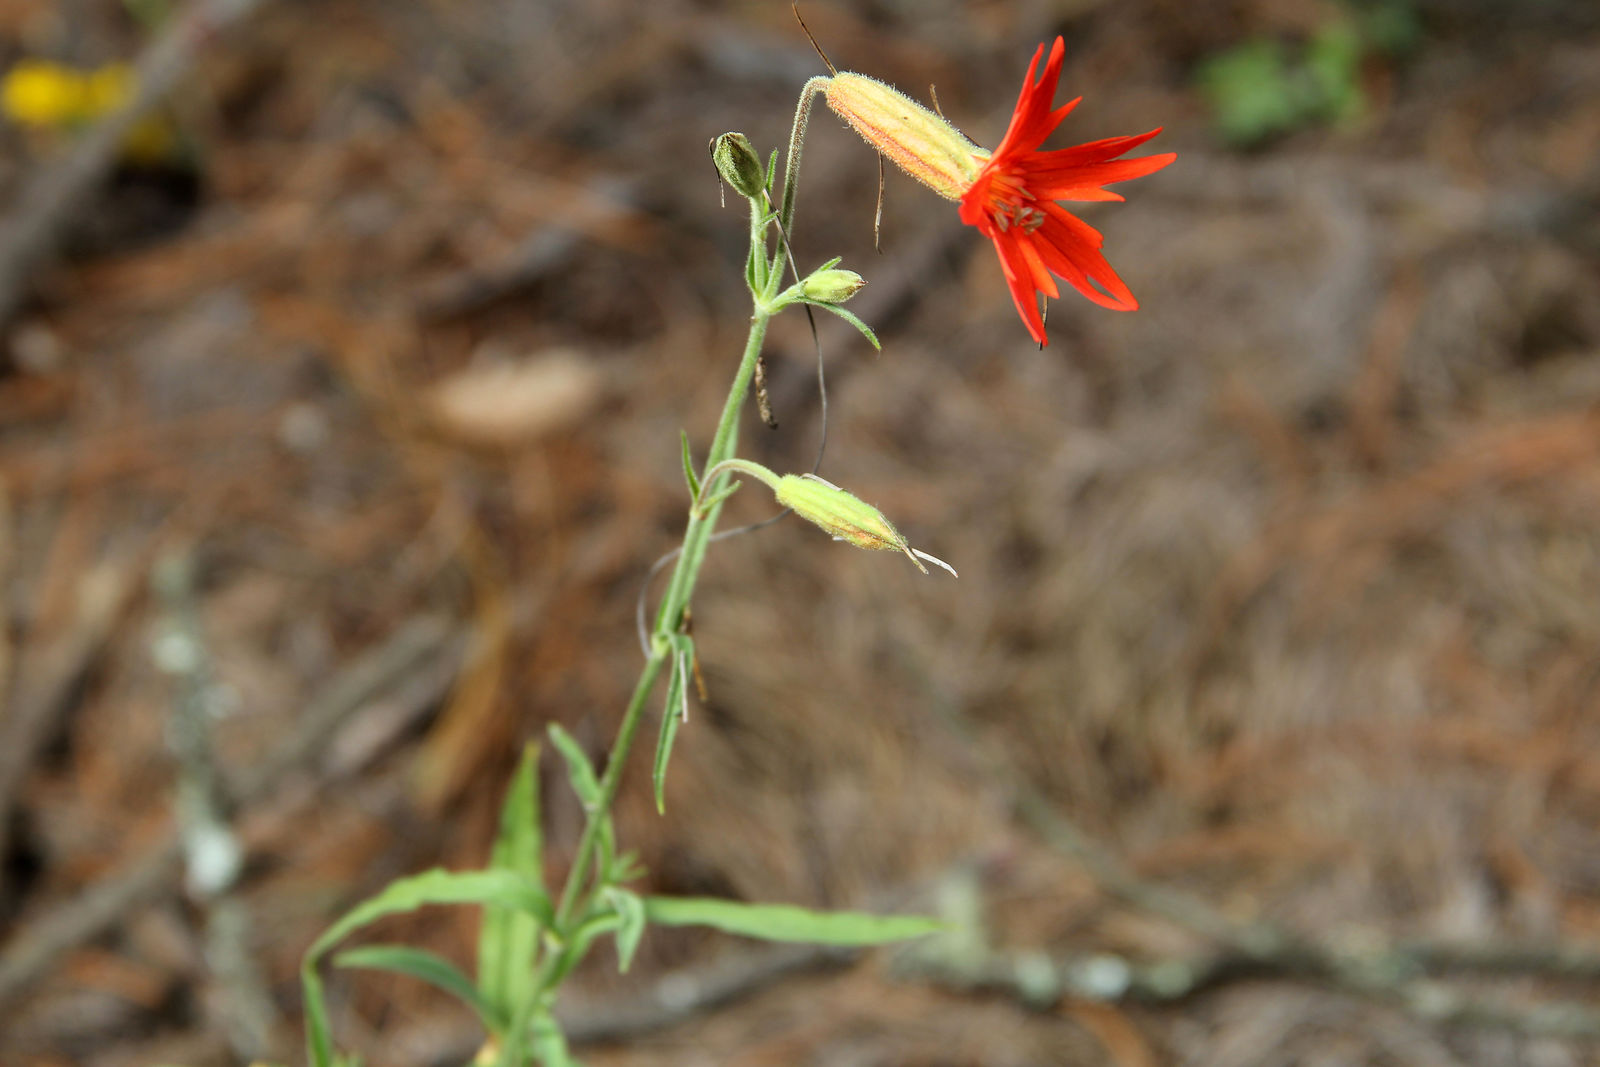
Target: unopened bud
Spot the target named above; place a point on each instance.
(846, 517)
(832, 286)
(738, 164)
(918, 141)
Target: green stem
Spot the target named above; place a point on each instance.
(609, 783)
(797, 140)
(680, 589)
(696, 538)
(671, 616)
(743, 466)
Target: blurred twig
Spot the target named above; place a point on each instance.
(680, 996)
(213, 856)
(415, 651)
(48, 677)
(1399, 974)
(32, 235)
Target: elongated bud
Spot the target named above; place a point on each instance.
(916, 140)
(832, 286)
(738, 164)
(846, 517)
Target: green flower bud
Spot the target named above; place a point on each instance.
(738, 164)
(832, 286)
(846, 517)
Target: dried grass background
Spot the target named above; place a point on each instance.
(1283, 587)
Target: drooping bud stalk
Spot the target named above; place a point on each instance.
(846, 517)
(842, 514)
(737, 162)
(918, 141)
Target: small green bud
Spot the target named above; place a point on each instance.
(846, 517)
(738, 164)
(832, 286)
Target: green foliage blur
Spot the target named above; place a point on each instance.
(1265, 88)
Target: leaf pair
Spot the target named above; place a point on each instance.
(676, 712)
(503, 889)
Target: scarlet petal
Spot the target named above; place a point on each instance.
(1075, 182)
(1033, 120)
(1094, 151)
(1018, 182)
(1042, 282)
(1080, 264)
(1019, 280)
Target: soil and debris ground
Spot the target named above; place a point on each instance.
(1282, 589)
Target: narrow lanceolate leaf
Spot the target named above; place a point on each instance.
(550, 1044)
(583, 938)
(750, 275)
(784, 922)
(718, 497)
(672, 715)
(580, 772)
(508, 937)
(428, 967)
(850, 317)
(688, 467)
(629, 907)
(502, 888)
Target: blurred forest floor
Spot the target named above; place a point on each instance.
(349, 425)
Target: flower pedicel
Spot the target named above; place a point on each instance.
(1010, 194)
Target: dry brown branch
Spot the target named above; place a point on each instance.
(1399, 977)
(48, 677)
(414, 652)
(32, 236)
(678, 997)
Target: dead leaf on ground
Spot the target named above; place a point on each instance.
(504, 404)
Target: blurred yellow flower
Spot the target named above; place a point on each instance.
(106, 89)
(51, 96)
(39, 93)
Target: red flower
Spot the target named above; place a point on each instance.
(1013, 201)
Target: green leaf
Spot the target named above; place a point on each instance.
(508, 938)
(630, 910)
(580, 772)
(319, 1033)
(583, 939)
(428, 967)
(785, 922)
(1251, 89)
(1333, 63)
(688, 467)
(772, 169)
(550, 1044)
(438, 886)
(673, 715)
(849, 317)
(627, 868)
(718, 497)
(503, 888)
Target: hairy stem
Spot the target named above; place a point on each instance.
(576, 891)
(797, 140)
